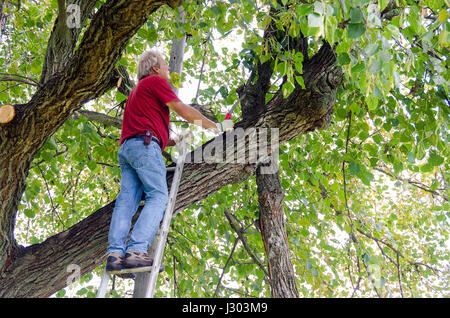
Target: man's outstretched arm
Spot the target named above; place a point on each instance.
(191, 115)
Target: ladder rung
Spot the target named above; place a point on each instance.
(131, 270)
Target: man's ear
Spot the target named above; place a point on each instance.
(155, 69)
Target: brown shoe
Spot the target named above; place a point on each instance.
(136, 259)
(114, 262)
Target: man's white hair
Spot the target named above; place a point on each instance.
(146, 61)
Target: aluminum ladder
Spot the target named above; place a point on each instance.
(145, 282)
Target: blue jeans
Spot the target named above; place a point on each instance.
(142, 170)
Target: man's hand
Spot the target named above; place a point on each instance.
(195, 117)
(226, 125)
(171, 142)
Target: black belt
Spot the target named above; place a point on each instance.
(147, 137)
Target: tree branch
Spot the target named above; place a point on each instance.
(225, 266)
(124, 83)
(63, 39)
(397, 251)
(7, 77)
(244, 241)
(99, 117)
(411, 182)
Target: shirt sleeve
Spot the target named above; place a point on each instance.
(163, 91)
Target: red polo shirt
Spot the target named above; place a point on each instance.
(146, 109)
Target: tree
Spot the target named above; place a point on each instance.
(357, 90)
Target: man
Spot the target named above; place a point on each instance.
(145, 133)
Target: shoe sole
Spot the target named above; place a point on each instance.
(141, 268)
(113, 268)
(137, 267)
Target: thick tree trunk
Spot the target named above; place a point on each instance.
(177, 52)
(40, 270)
(273, 232)
(3, 16)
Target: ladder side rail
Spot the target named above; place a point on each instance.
(103, 284)
(166, 222)
(142, 279)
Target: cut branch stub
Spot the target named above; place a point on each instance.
(7, 113)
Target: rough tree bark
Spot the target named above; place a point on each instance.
(273, 232)
(3, 15)
(177, 52)
(63, 40)
(88, 74)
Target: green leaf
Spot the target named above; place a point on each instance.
(343, 59)
(353, 168)
(380, 283)
(61, 293)
(435, 159)
(47, 155)
(372, 102)
(377, 260)
(354, 107)
(300, 81)
(29, 213)
(142, 33)
(366, 257)
(393, 31)
(92, 165)
(175, 79)
(304, 232)
(355, 30)
(371, 49)
(34, 240)
(356, 15)
(304, 9)
(411, 158)
(375, 66)
(319, 7)
(382, 4)
(298, 62)
(365, 176)
(282, 68)
(287, 89)
(120, 97)
(51, 144)
(341, 113)
(358, 68)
